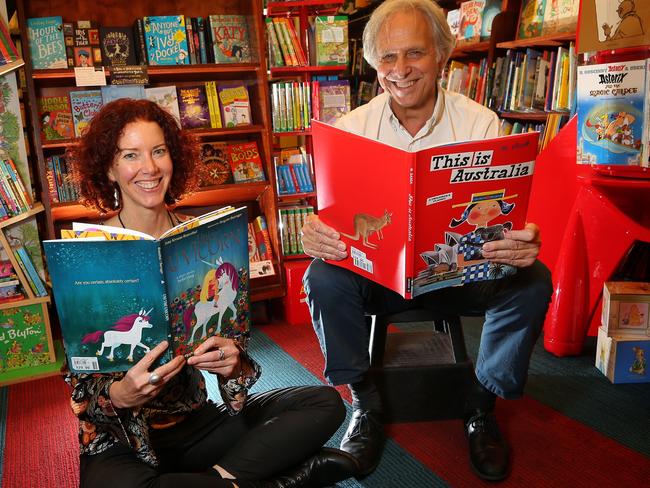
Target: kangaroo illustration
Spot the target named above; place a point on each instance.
(365, 225)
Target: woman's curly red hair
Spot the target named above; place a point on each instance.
(94, 154)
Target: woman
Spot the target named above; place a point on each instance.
(155, 426)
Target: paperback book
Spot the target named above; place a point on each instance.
(193, 107)
(230, 38)
(46, 42)
(120, 297)
(245, 162)
(166, 39)
(118, 46)
(215, 166)
(612, 102)
(56, 117)
(331, 34)
(166, 97)
(418, 223)
(115, 92)
(84, 104)
(235, 105)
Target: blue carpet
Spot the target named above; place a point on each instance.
(395, 459)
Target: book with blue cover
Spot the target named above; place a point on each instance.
(84, 105)
(166, 39)
(46, 42)
(115, 92)
(119, 297)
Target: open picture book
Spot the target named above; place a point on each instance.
(415, 221)
(119, 293)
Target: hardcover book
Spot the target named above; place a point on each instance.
(235, 105)
(56, 117)
(560, 16)
(118, 46)
(333, 100)
(46, 42)
(215, 164)
(418, 224)
(166, 39)
(84, 104)
(531, 18)
(115, 92)
(166, 97)
(469, 29)
(193, 107)
(612, 102)
(331, 35)
(245, 162)
(87, 49)
(230, 38)
(118, 298)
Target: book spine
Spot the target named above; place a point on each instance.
(6, 194)
(32, 276)
(301, 59)
(287, 41)
(262, 237)
(213, 104)
(202, 46)
(293, 231)
(24, 194)
(284, 222)
(288, 92)
(253, 245)
(282, 42)
(190, 40)
(209, 44)
(276, 51)
(141, 46)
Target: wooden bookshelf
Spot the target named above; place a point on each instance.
(552, 40)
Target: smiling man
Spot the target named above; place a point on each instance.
(408, 42)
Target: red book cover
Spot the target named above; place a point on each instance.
(245, 162)
(418, 223)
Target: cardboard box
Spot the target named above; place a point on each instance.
(621, 358)
(296, 310)
(626, 309)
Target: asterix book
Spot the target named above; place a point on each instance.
(118, 298)
(166, 39)
(46, 42)
(416, 221)
(230, 38)
(612, 101)
(84, 104)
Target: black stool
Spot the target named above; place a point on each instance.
(420, 374)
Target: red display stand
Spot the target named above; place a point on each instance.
(294, 303)
(590, 219)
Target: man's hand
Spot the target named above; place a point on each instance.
(321, 241)
(519, 248)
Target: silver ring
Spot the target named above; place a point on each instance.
(222, 355)
(154, 378)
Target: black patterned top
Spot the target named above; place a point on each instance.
(101, 426)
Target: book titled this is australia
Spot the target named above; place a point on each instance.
(166, 39)
(46, 42)
(419, 224)
(119, 297)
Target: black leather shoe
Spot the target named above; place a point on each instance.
(489, 453)
(325, 468)
(364, 440)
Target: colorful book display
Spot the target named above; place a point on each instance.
(166, 40)
(469, 28)
(612, 113)
(230, 38)
(419, 224)
(46, 43)
(188, 295)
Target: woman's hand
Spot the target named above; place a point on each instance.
(321, 241)
(218, 355)
(134, 389)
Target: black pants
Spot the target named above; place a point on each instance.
(277, 429)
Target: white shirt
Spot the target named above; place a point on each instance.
(455, 118)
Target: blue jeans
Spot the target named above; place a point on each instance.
(514, 309)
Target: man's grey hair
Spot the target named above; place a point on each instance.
(443, 40)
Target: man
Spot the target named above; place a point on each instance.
(408, 42)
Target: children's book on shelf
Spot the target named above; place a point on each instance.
(418, 223)
(215, 165)
(84, 105)
(230, 38)
(333, 100)
(531, 18)
(331, 40)
(46, 43)
(87, 48)
(612, 106)
(55, 116)
(245, 162)
(193, 107)
(560, 16)
(469, 28)
(262, 265)
(490, 11)
(603, 26)
(25, 339)
(166, 39)
(166, 97)
(120, 297)
(115, 92)
(235, 105)
(118, 46)
(453, 20)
